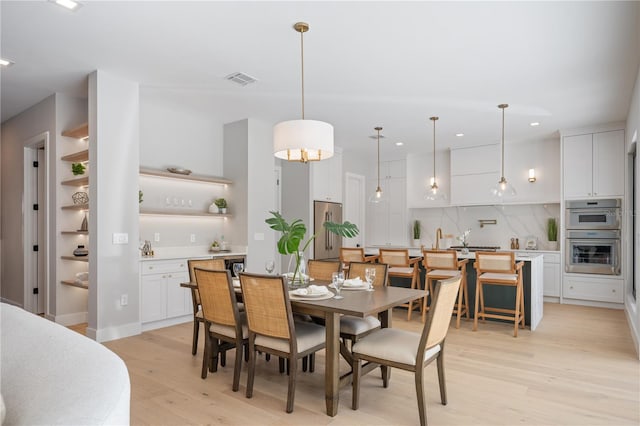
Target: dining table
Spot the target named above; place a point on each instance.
(359, 303)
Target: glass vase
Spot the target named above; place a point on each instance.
(297, 276)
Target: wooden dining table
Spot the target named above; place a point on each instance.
(358, 303)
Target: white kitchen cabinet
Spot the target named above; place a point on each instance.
(419, 175)
(551, 275)
(474, 171)
(593, 164)
(162, 298)
(593, 288)
(387, 221)
(326, 179)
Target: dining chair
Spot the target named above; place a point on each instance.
(401, 265)
(322, 269)
(408, 350)
(222, 318)
(214, 264)
(354, 254)
(272, 328)
(443, 264)
(499, 268)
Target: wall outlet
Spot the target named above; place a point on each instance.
(124, 300)
(192, 238)
(156, 237)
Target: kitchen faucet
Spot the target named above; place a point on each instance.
(438, 237)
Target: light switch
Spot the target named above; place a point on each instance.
(192, 238)
(120, 238)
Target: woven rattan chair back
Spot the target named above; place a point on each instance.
(213, 264)
(351, 254)
(497, 262)
(266, 302)
(394, 257)
(357, 269)
(445, 259)
(217, 297)
(439, 317)
(322, 269)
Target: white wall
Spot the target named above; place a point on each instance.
(296, 200)
(113, 200)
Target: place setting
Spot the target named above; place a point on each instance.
(312, 292)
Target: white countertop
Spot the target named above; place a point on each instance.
(168, 253)
(520, 254)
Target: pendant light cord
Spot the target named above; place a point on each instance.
(302, 67)
(434, 148)
(502, 176)
(378, 129)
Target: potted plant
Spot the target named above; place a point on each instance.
(552, 232)
(221, 203)
(416, 233)
(292, 235)
(77, 168)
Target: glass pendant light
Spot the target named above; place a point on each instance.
(434, 193)
(303, 140)
(377, 197)
(503, 189)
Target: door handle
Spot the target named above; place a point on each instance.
(330, 233)
(326, 232)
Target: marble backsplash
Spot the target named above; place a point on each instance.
(512, 221)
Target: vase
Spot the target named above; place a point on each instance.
(297, 271)
(465, 250)
(416, 242)
(222, 210)
(81, 251)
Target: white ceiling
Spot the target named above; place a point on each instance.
(393, 64)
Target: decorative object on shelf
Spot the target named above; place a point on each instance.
(140, 195)
(434, 193)
(80, 251)
(221, 204)
(215, 246)
(377, 197)
(503, 189)
(84, 227)
(292, 236)
(146, 249)
(77, 169)
(179, 170)
(531, 243)
(417, 230)
(80, 198)
(464, 240)
(303, 140)
(513, 243)
(517, 244)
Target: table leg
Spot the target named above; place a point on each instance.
(332, 371)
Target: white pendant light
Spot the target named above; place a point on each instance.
(378, 196)
(434, 193)
(503, 189)
(303, 140)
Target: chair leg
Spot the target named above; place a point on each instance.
(355, 385)
(385, 370)
(516, 319)
(252, 368)
(441, 378)
(214, 351)
(292, 384)
(238, 365)
(459, 313)
(246, 353)
(312, 362)
(196, 331)
(223, 358)
(466, 294)
(522, 311)
(475, 311)
(267, 357)
(484, 318)
(422, 409)
(304, 363)
(205, 357)
(281, 365)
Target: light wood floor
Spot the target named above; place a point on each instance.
(578, 368)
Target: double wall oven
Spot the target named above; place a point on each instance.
(593, 237)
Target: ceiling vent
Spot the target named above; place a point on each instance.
(241, 78)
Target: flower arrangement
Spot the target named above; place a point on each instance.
(464, 237)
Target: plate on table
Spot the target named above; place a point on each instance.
(310, 297)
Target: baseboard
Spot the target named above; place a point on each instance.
(167, 322)
(11, 302)
(551, 299)
(113, 333)
(71, 319)
(635, 333)
(607, 305)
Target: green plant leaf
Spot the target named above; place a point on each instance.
(345, 229)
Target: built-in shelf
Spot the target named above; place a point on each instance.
(74, 284)
(80, 132)
(77, 258)
(77, 157)
(181, 213)
(193, 178)
(82, 181)
(76, 207)
(75, 232)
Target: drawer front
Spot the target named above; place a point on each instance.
(551, 257)
(164, 266)
(600, 291)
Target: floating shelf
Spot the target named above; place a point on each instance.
(83, 181)
(75, 232)
(77, 157)
(193, 178)
(80, 132)
(182, 213)
(76, 207)
(79, 259)
(74, 284)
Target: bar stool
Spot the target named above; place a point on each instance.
(402, 266)
(499, 268)
(354, 254)
(442, 265)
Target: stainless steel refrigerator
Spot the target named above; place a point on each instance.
(327, 244)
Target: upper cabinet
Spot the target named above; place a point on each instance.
(474, 171)
(326, 179)
(593, 164)
(419, 175)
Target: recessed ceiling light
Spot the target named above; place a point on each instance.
(68, 4)
(399, 143)
(5, 62)
(459, 135)
(534, 124)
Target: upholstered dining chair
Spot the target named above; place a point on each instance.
(222, 319)
(272, 328)
(322, 269)
(401, 265)
(354, 254)
(499, 268)
(214, 264)
(408, 350)
(443, 264)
